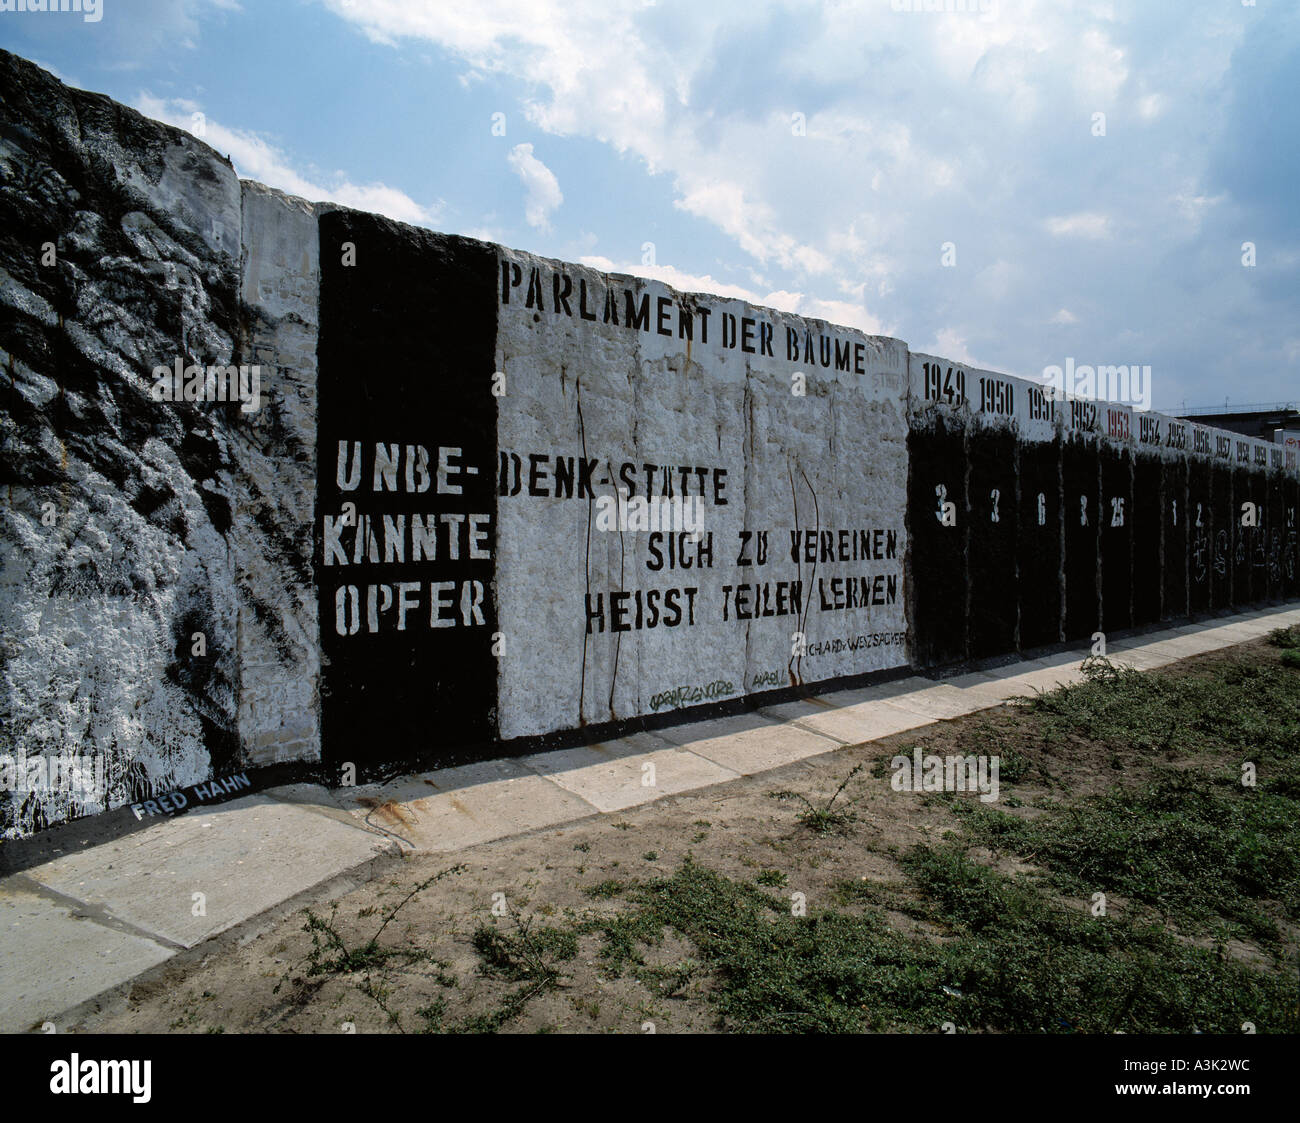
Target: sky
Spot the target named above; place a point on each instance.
(1009, 186)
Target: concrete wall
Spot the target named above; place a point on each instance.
(424, 543)
(795, 464)
(120, 245)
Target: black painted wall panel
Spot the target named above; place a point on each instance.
(1245, 540)
(1039, 545)
(1116, 538)
(1200, 529)
(1274, 533)
(1174, 515)
(1081, 476)
(1257, 536)
(1221, 543)
(992, 550)
(406, 353)
(1291, 539)
(937, 456)
(1148, 523)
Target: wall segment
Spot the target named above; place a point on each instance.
(486, 499)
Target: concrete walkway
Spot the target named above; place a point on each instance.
(86, 923)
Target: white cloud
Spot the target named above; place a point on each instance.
(951, 344)
(1193, 207)
(840, 312)
(1064, 316)
(683, 282)
(1083, 225)
(255, 158)
(1152, 106)
(999, 280)
(542, 188)
(1099, 68)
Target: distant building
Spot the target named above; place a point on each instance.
(1260, 420)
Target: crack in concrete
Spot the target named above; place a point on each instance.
(96, 914)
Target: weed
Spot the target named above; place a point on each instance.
(822, 820)
(526, 955)
(1285, 637)
(331, 957)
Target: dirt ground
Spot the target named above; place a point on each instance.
(543, 878)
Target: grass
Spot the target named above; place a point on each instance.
(1198, 847)
(1011, 960)
(1253, 707)
(526, 955)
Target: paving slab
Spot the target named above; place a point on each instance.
(800, 709)
(1185, 646)
(611, 775)
(412, 813)
(451, 808)
(53, 958)
(856, 696)
(938, 701)
(512, 793)
(244, 857)
(864, 721)
(749, 743)
(1239, 631)
(1044, 678)
(1268, 615)
(895, 687)
(1141, 657)
(990, 686)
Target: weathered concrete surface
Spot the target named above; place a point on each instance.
(616, 775)
(243, 857)
(119, 251)
(853, 722)
(157, 609)
(53, 956)
(782, 446)
(940, 701)
(1044, 674)
(986, 685)
(749, 743)
(271, 537)
(452, 808)
(1141, 657)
